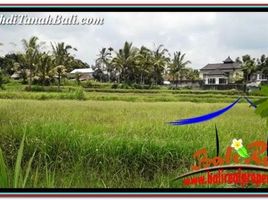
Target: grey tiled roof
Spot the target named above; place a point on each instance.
(215, 72)
(221, 66)
(228, 60)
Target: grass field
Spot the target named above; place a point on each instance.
(114, 143)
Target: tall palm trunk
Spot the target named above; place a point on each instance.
(142, 80)
(177, 80)
(59, 80)
(30, 80)
(44, 79)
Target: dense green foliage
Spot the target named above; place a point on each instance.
(39, 65)
(141, 65)
(262, 104)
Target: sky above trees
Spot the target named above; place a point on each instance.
(204, 37)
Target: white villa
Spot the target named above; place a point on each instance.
(86, 73)
(226, 72)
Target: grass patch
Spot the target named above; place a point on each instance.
(135, 96)
(111, 143)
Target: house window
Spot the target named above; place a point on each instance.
(222, 81)
(211, 81)
(264, 77)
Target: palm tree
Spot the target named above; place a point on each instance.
(60, 71)
(21, 67)
(263, 65)
(31, 53)
(160, 61)
(104, 60)
(62, 55)
(248, 66)
(124, 61)
(44, 66)
(178, 65)
(144, 64)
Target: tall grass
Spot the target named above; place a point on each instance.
(111, 143)
(20, 179)
(3, 172)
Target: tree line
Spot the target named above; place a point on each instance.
(129, 64)
(250, 66)
(142, 65)
(39, 65)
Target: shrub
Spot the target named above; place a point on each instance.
(3, 80)
(137, 86)
(87, 84)
(35, 88)
(115, 86)
(79, 94)
(124, 86)
(95, 84)
(38, 88)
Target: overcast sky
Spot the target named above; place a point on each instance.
(204, 37)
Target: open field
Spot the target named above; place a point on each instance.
(114, 143)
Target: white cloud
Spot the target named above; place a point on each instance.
(204, 37)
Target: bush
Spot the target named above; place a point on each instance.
(79, 94)
(38, 88)
(35, 88)
(1, 79)
(125, 86)
(95, 84)
(87, 84)
(115, 86)
(5, 79)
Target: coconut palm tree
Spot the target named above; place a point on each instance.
(263, 65)
(21, 67)
(160, 61)
(124, 61)
(104, 60)
(177, 67)
(248, 67)
(62, 55)
(144, 64)
(44, 66)
(31, 54)
(60, 71)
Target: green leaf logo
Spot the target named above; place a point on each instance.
(240, 149)
(243, 152)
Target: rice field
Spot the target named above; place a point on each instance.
(112, 144)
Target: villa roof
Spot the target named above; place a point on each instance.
(215, 72)
(228, 63)
(228, 60)
(82, 70)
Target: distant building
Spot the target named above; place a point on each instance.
(221, 73)
(15, 76)
(85, 73)
(166, 82)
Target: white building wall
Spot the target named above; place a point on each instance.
(217, 80)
